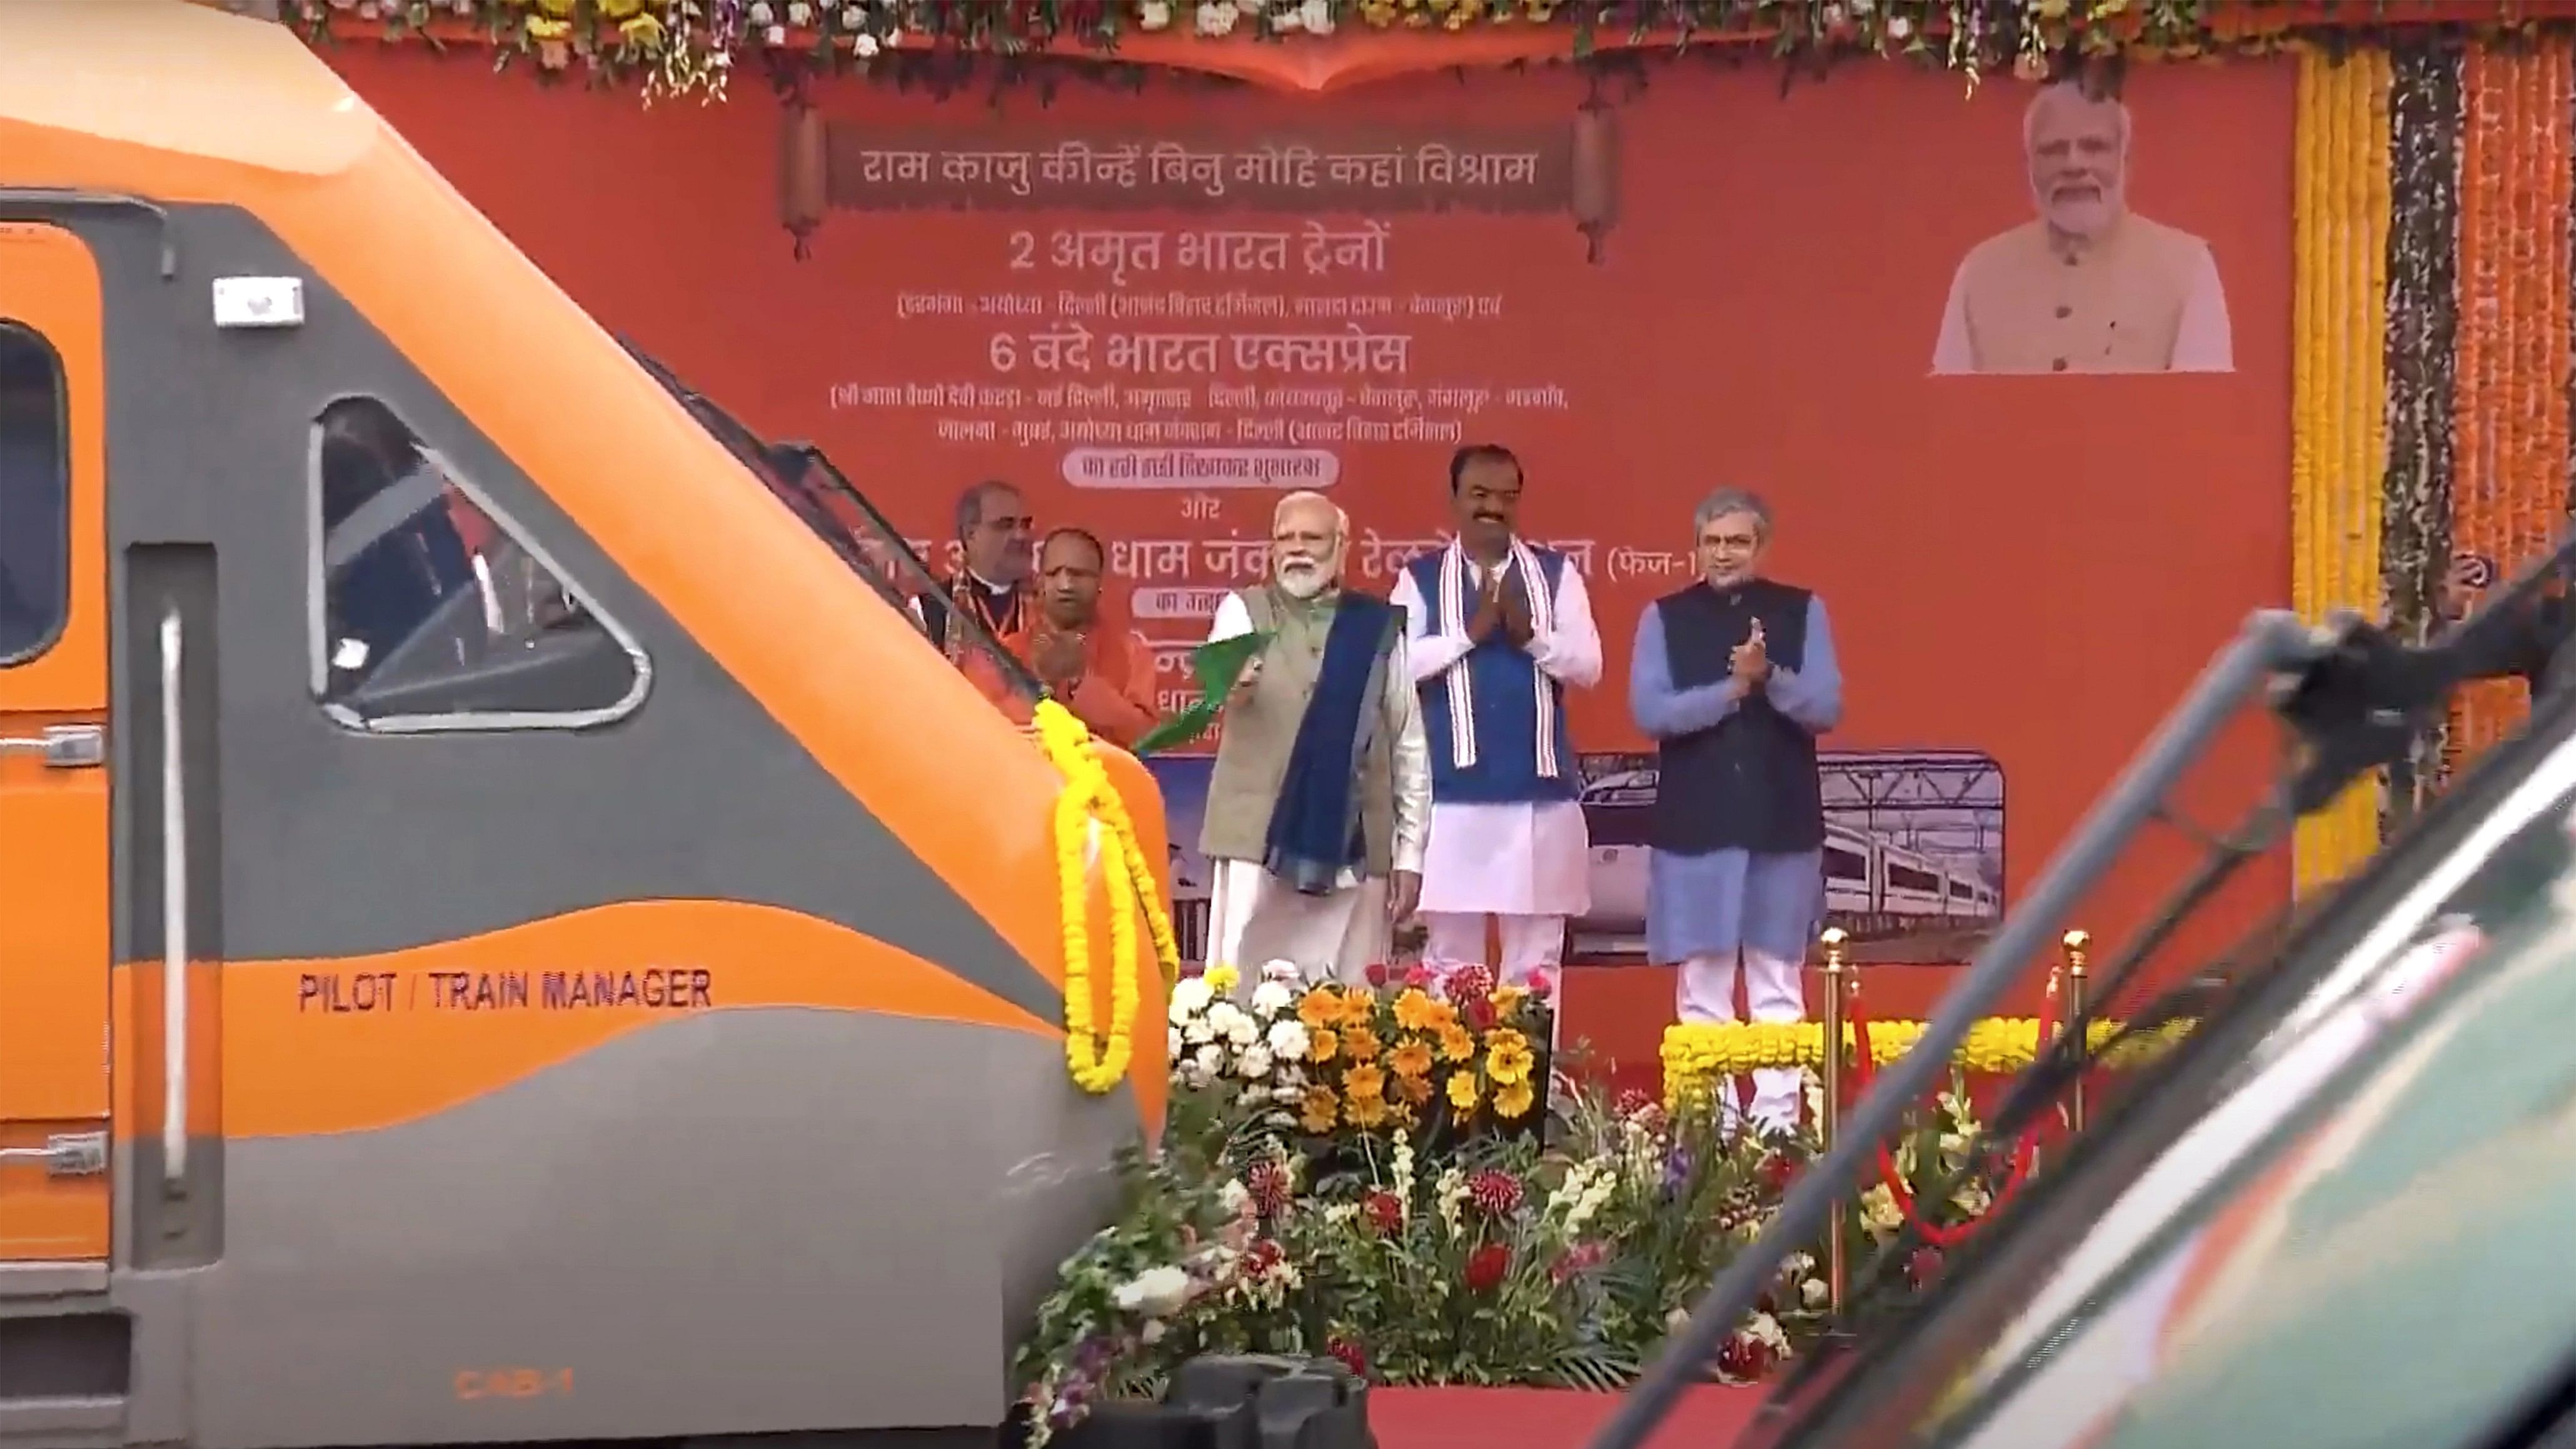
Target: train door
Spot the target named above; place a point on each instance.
(54, 907)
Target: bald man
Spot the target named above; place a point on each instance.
(2088, 285)
(1321, 796)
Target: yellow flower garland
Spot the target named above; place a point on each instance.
(2339, 387)
(1698, 1054)
(1099, 1061)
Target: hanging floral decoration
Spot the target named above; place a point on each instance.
(2509, 403)
(2338, 429)
(2423, 320)
(693, 45)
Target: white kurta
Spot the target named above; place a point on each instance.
(1254, 920)
(1525, 859)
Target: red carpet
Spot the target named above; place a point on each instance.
(1707, 1418)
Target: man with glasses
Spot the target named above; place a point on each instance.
(1734, 678)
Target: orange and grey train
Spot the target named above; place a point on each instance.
(505, 935)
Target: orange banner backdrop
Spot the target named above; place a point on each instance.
(1155, 311)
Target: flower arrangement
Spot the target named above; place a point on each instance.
(1697, 1054)
(1353, 1171)
(1405, 1053)
(693, 44)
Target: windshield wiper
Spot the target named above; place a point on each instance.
(805, 478)
(2355, 699)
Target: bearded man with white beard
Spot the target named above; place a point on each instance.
(1321, 797)
(2088, 285)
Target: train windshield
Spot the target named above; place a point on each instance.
(811, 486)
(2422, 1158)
(2082, 1271)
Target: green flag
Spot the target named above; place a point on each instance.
(1218, 665)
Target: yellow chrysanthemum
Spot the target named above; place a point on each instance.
(1318, 1112)
(1457, 1044)
(1359, 1008)
(1366, 1113)
(1514, 1102)
(1414, 1090)
(1507, 1057)
(1507, 999)
(1320, 1008)
(1359, 1044)
(1464, 1092)
(1697, 1055)
(1322, 1044)
(1412, 1059)
(1361, 1084)
(1416, 1011)
(1223, 979)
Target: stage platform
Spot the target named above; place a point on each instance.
(1708, 1417)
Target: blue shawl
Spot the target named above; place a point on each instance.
(1315, 831)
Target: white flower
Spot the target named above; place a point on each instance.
(799, 13)
(1279, 969)
(1288, 1095)
(1211, 1059)
(1254, 1064)
(1156, 1292)
(1240, 1029)
(1172, 1050)
(1898, 27)
(774, 35)
(1878, 1209)
(1197, 1032)
(1677, 1320)
(1272, 997)
(1152, 1332)
(1233, 1196)
(1341, 1212)
(1283, 21)
(1217, 18)
(1222, 1017)
(863, 46)
(1766, 1329)
(1190, 997)
(1288, 1039)
(1813, 1293)
(1251, 7)
(760, 13)
(1316, 16)
(1154, 15)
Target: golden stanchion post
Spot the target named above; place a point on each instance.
(1837, 970)
(2071, 1011)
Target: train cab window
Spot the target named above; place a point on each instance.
(430, 611)
(35, 495)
